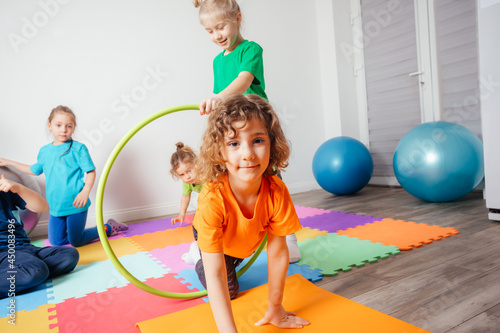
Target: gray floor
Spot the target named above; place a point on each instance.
(452, 285)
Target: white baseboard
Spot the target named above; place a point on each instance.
(123, 215)
(302, 187)
(494, 216)
(386, 181)
(148, 212)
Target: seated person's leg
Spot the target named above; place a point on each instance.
(30, 271)
(59, 260)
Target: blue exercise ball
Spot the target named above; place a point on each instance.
(342, 165)
(439, 161)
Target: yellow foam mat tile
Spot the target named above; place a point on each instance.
(327, 312)
(306, 233)
(30, 321)
(95, 252)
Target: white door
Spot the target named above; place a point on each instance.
(420, 64)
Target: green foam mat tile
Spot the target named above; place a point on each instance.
(333, 252)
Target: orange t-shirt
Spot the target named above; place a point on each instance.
(222, 227)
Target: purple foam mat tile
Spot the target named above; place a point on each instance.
(335, 221)
(150, 227)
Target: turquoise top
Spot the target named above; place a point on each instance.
(64, 173)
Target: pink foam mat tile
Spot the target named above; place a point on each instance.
(171, 257)
(119, 309)
(304, 212)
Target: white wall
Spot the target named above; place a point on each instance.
(337, 52)
(116, 62)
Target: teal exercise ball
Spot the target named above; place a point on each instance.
(342, 165)
(439, 161)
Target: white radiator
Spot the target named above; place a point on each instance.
(489, 75)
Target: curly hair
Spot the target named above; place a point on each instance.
(210, 166)
(183, 154)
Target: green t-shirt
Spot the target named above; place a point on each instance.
(188, 188)
(245, 57)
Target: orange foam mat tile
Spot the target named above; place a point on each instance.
(95, 252)
(40, 320)
(327, 312)
(164, 238)
(404, 235)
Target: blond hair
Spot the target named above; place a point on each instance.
(61, 109)
(227, 9)
(183, 154)
(210, 165)
(67, 111)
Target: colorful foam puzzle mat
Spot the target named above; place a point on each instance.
(326, 312)
(95, 297)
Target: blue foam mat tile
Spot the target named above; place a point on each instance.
(102, 275)
(29, 300)
(256, 275)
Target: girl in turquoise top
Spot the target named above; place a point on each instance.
(66, 163)
(238, 69)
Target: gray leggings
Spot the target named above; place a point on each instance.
(231, 264)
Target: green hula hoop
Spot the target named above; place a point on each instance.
(100, 221)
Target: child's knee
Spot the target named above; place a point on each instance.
(58, 241)
(76, 244)
(70, 258)
(77, 240)
(31, 275)
(67, 259)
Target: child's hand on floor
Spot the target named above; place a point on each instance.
(281, 318)
(176, 219)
